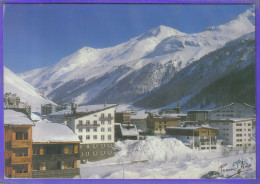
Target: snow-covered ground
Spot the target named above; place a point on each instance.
(167, 158)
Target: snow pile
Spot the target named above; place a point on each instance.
(129, 129)
(154, 148)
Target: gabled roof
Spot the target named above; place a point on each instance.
(233, 104)
(48, 132)
(82, 111)
(12, 117)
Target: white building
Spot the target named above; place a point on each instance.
(94, 125)
(235, 132)
(233, 110)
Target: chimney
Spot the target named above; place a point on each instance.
(73, 108)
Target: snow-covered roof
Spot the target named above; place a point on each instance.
(139, 115)
(190, 128)
(129, 130)
(232, 119)
(46, 132)
(12, 117)
(245, 104)
(88, 109)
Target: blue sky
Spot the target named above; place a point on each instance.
(40, 35)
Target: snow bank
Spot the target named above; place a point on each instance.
(154, 148)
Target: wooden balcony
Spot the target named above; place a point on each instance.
(20, 160)
(54, 157)
(22, 175)
(21, 143)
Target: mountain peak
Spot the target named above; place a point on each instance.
(159, 32)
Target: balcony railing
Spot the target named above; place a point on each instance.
(18, 160)
(88, 125)
(204, 140)
(105, 118)
(64, 173)
(22, 175)
(21, 143)
(49, 157)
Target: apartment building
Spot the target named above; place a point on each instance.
(198, 115)
(139, 117)
(94, 125)
(17, 144)
(157, 124)
(199, 138)
(47, 109)
(235, 132)
(233, 110)
(55, 151)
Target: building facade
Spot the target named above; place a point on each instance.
(199, 138)
(55, 151)
(233, 110)
(12, 101)
(94, 125)
(158, 124)
(235, 132)
(18, 144)
(198, 115)
(47, 109)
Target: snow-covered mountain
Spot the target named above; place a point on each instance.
(124, 72)
(27, 93)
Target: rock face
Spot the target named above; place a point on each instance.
(130, 71)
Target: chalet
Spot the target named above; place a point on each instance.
(18, 144)
(94, 125)
(200, 138)
(55, 151)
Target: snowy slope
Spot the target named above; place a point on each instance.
(27, 93)
(88, 66)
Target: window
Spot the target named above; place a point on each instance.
(109, 152)
(21, 168)
(102, 152)
(249, 124)
(87, 130)
(249, 135)
(36, 166)
(20, 136)
(103, 145)
(95, 122)
(109, 129)
(239, 135)
(87, 122)
(87, 146)
(109, 122)
(80, 122)
(80, 130)
(70, 149)
(87, 153)
(95, 145)
(87, 137)
(109, 116)
(21, 152)
(102, 116)
(25, 136)
(102, 122)
(102, 137)
(36, 150)
(95, 153)
(249, 129)
(109, 145)
(109, 137)
(95, 129)
(102, 129)
(239, 124)
(95, 137)
(80, 146)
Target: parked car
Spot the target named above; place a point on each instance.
(211, 175)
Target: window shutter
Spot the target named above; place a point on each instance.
(65, 150)
(76, 149)
(41, 151)
(75, 164)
